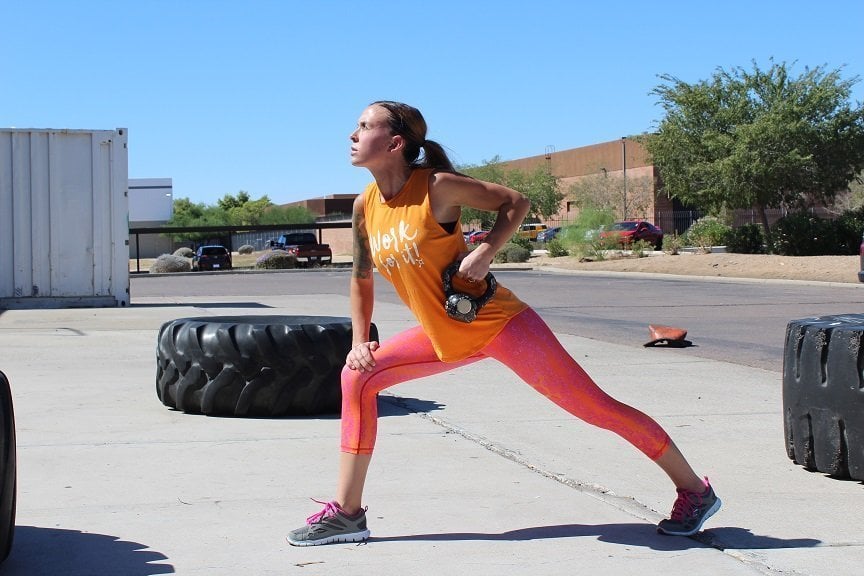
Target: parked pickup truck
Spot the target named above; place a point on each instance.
(305, 247)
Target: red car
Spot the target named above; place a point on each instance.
(477, 237)
(861, 258)
(626, 232)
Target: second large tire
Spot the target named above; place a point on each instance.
(249, 366)
(823, 394)
(8, 469)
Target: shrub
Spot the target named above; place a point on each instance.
(184, 252)
(556, 249)
(591, 220)
(520, 241)
(707, 232)
(803, 234)
(246, 249)
(640, 247)
(276, 260)
(746, 239)
(849, 227)
(170, 263)
(594, 251)
(608, 243)
(587, 251)
(672, 244)
(511, 252)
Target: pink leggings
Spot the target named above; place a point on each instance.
(529, 348)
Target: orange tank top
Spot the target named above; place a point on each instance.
(411, 250)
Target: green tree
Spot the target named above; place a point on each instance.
(758, 139)
(539, 185)
(228, 202)
(230, 210)
(241, 210)
(185, 211)
(188, 214)
(853, 198)
(287, 215)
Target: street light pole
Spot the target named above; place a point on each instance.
(624, 170)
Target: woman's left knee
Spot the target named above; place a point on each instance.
(352, 382)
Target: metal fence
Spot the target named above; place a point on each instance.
(260, 240)
(679, 221)
(150, 242)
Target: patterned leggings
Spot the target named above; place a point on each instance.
(529, 348)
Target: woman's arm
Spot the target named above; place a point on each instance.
(449, 192)
(362, 294)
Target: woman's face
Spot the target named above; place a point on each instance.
(372, 139)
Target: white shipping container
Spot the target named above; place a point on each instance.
(64, 218)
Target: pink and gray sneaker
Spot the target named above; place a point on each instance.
(331, 525)
(690, 511)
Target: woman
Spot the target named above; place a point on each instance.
(407, 224)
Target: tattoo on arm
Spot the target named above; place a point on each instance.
(362, 257)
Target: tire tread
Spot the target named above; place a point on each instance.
(823, 394)
(253, 366)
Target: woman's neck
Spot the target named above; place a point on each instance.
(391, 181)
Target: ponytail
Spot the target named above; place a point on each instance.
(434, 156)
(408, 122)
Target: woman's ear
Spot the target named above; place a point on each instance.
(396, 142)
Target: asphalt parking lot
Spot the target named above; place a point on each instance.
(474, 473)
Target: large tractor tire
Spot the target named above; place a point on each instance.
(823, 394)
(253, 365)
(8, 472)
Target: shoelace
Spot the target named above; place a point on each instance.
(686, 504)
(330, 509)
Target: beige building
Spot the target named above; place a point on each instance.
(335, 206)
(617, 174)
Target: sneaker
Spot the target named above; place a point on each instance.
(330, 525)
(690, 511)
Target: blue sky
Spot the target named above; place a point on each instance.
(261, 95)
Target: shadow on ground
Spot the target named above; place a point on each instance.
(644, 535)
(389, 405)
(38, 551)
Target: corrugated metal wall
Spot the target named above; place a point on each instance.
(63, 218)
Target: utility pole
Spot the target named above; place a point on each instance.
(624, 171)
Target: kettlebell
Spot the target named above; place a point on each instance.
(463, 307)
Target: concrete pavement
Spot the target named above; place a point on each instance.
(474, 472)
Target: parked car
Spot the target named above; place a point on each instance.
(628, 231)
(594, 233)
(548, 234)
(531, 231)
(478, 236)
(861, 258)
(305, 247)
(213, 257)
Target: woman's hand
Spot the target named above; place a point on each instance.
(360, 356)
(474, 265)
